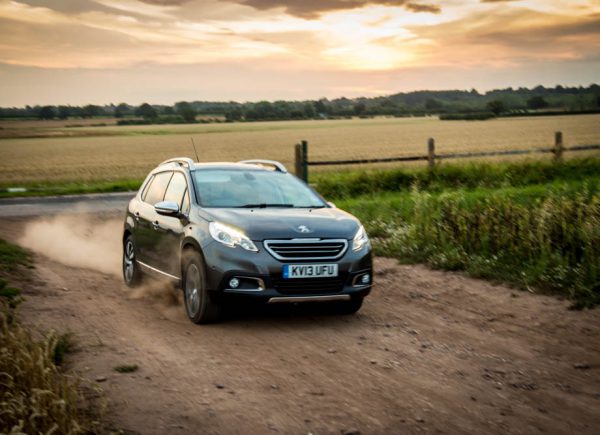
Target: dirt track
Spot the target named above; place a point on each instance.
(429, 352)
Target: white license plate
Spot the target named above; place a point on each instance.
(291, 271)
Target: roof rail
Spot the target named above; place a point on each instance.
(182, 161)
(276, 165)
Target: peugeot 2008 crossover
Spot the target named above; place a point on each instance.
(244, 230)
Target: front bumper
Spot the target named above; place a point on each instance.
(224, 263)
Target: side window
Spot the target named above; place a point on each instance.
(176, 189)
(145, 191)
(156, 190)
(185, 203)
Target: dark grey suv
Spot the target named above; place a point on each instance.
(244, 230)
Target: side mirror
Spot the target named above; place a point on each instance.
(331, 204)
(167, 208)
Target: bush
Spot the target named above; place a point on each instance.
(537, 237)
(471, 116)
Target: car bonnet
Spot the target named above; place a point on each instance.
(287, 223)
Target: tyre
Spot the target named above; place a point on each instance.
(198, 305)
(132, 275)
(348, 307)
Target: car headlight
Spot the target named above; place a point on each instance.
(230, 236)
(360, 239)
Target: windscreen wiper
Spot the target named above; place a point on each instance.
(265, 205)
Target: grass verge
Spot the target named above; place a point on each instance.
(542, 237)
(13, 257)
(35, 396)
(68, 188)
(350, 184)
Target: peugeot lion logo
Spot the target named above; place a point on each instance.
(303, 229)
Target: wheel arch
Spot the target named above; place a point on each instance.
(189, 244)
(126, 233)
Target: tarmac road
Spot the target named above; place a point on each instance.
(51, 205)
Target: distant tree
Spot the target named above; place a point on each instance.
(261, 110)
(75, 111)
(537, 102)
(168, 110)
(322, 107)
(122, 110)
(433, 104)
(47, 112)
(186, 111)
(64, 112)
(283, 110)
(496, 106)
(91, 110)
(146, 111)
(386, 102)
(359, 108)
(235, 114)
(309, 110)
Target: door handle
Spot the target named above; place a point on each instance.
(137, 215)
(156, 225)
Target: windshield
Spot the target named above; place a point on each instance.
(252, 189)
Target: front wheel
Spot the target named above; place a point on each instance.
(199, 307)
(132, 275)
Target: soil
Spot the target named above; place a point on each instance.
(430, 351)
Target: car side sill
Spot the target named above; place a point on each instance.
(154, 269)
(292, 299)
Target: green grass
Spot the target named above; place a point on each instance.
(12, 257)
(452, 176)
(64, 345)
(70, 188)
(541, 237)
(126, 368)
(35, 396)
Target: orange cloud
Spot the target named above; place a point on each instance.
(352, 44)
(314, 8)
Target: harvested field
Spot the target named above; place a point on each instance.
(116, 153)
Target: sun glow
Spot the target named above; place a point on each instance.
(331, 45)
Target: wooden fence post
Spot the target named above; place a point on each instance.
(431, 153)
(558, 146)
(298, 160)
(304, 161)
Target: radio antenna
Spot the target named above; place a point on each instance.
(195, 152)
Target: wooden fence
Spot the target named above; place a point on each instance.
(301, 161)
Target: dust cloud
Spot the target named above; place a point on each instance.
(95, 243)
(159, 291)
(75, 240)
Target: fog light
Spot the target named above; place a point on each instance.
(365, 279)
(234, 283)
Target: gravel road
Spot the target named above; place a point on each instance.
(430, 352)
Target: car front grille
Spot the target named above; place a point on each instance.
(303, 249)
(308, 286)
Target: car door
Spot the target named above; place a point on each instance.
(147, 237)
(171, 228)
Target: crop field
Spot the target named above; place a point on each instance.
(45, 152)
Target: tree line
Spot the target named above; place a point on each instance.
(451, 104)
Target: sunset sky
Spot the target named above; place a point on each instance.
(161, 51)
